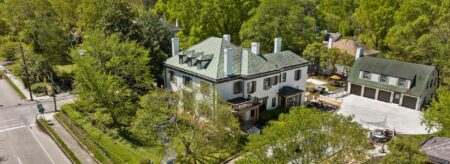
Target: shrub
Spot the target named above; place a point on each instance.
(8, 50)
(273, 114)
(39, 88)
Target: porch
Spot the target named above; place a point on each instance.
(290, 96)
(246, 110)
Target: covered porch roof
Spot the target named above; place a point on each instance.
(288, 91)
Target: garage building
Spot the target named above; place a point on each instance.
(388, 81)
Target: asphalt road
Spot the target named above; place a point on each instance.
(21, 141)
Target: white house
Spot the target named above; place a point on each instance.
(407, 84)
(250, 81)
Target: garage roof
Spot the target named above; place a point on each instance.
(415, 72)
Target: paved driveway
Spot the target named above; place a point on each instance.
(374, 114)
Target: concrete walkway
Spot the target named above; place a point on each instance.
(70, 141)
(16, 82)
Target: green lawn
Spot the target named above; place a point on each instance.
(106, 148)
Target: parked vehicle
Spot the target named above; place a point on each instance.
(381, 136)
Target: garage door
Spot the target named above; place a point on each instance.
(355, 89)
(369, 92)
(409, 102)
(384, 96)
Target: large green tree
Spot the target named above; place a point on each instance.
(200, 19)
(308, 136)
(336, 15)
(110, 75)
(200, 131)
(374, 18)
(287, 19)
(438, 114)
(404, 150)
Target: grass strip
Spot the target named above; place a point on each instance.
(118, 149)
(13, 85)
(84, 138)
(59, 141)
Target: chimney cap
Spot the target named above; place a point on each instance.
(227, 37)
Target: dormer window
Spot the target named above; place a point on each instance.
(366, 75)
(189, 61)
(383, 79)
(180, 59)
(401, 82)
(199, 65)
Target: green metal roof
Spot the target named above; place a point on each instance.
(212, 49)
(419, 74)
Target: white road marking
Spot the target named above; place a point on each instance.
(8, 120)
(17, 127)
(39, 142)
(20, 162)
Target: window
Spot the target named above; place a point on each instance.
(251, 87)
(402, 82)
(199, 65)
(366, 75)
(274, 80)
(237, 87)
(274, 102)
(283, 77)
(187, 80)
(172, 77)
(267, 83)
(298, 75)
(383, 79)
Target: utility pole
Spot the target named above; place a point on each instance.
(53, 91)
(26, 71)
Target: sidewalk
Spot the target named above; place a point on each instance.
(24, 90)
(68, 139)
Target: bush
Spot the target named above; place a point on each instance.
(273, 114)
(39, 88)
(8, 50)
(64, 76)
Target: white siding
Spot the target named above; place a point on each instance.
(391, 80)
(226, 89)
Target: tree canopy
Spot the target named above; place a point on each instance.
(308, 136)
(288, 19)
